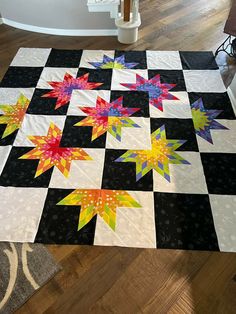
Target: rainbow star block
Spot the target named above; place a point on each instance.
(108, 117)
(101, 202)
(50, 154)
(63, 90)
(158, 157)
(156, 90)
(203, 120)
(13, 115)
(116, 63)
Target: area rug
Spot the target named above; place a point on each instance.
(125, 148)
(24, 269)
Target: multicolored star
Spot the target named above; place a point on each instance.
(50, 154)
(203, 120)
(101, 202)
(110, 63)
(158, 157)
(156, 90)
(13, 115)
(63, 90)
(109, 117)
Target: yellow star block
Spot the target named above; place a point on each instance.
(13, 115)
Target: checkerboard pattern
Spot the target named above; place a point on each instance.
(125, 148)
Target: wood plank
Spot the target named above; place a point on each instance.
(127, 8)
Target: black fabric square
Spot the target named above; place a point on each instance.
(20, 172)
(21, 77)
(59, 223)
(184, 221)
(198, 60)
(220, 172)
(64, 58)
(122, 175)
(178, 129)
(45, 105)
(8, 140)
(80, 136)
(138, 57)
(215, 101)
(134, 99)
(98, 76)
(170, 77)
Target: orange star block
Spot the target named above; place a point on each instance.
(13, 115)
(99, 202)
(50, 154)
(63, 90)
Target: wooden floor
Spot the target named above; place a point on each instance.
(123, 280)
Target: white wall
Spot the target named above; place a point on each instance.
(60, 14)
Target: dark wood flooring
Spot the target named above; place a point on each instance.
(125, 280)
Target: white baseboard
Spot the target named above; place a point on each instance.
(232, 98)
(63, 32)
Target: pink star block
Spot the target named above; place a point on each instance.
(63, 90)
(156, 90)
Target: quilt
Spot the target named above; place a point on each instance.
(118, 148)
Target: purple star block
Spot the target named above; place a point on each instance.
(203, 120)
(116, 63)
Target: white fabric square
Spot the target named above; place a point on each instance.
(31, 57)
(85, 98)
(9, 96)
(54, 75)
(204, 81)
(135, 227)
(132, 138)
(20, 213)
(232, 99)
(4, 153)
(183, 178)
(125, 76)
(36, 125)
(173, 108)
(224, 141)
(94, 56)
(224, 214)
(84, 174)
(163, 60)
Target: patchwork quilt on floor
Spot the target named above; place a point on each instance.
(126, 148)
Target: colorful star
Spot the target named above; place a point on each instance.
(101, 202)
(158, 157)
(116, 63)
(156, 90)
(203, 120)
(109, 117)
(13, 115)
(63, 90)
(50, 154)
